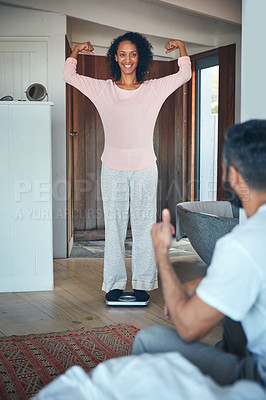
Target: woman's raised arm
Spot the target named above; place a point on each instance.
(85, 48)
(173, 44)
(90, 87)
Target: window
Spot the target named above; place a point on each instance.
(206, 130)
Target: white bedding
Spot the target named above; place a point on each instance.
(164, 376)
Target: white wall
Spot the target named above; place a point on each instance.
(101, 36)
(109, 12)
(151, 20)
(227, 10)
(31, 26)
(253, 60)
(100, 21)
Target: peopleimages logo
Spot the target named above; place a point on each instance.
(34, 214)
(45, 190)
(34, 199)
(39, 190)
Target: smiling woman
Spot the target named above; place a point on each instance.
(128, 106)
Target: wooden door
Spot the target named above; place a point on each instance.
(227, 59)
(88, 145)
(170, 137)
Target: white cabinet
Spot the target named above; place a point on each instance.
(26, 247)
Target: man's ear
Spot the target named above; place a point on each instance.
(232, 175)
(235, 179)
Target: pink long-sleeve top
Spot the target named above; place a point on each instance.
(128, 116)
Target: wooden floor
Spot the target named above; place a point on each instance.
(78, 301)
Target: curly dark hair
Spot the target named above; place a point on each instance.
(145, 55)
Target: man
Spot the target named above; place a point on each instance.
(235, 284)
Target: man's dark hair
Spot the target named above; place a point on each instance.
(145, 55)
(245, 149)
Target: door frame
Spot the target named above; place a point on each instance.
(69, 160)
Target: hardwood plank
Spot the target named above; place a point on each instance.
(78, 301)
(87, 287)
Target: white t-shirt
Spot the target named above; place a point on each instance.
(235, 283)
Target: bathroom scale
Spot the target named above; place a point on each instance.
(127, 299)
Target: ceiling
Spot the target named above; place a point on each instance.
(199, 23)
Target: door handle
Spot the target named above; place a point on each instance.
(73, 134)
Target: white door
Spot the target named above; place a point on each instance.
(22, 62)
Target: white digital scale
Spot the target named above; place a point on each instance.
(127, 299)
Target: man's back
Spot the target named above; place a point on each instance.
(236, 280)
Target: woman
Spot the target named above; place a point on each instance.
(128, 106)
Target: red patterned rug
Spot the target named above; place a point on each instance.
(28, 363)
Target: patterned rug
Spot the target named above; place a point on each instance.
(28, 363)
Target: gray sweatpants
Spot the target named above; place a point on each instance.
(129, 194)
(225, 368)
